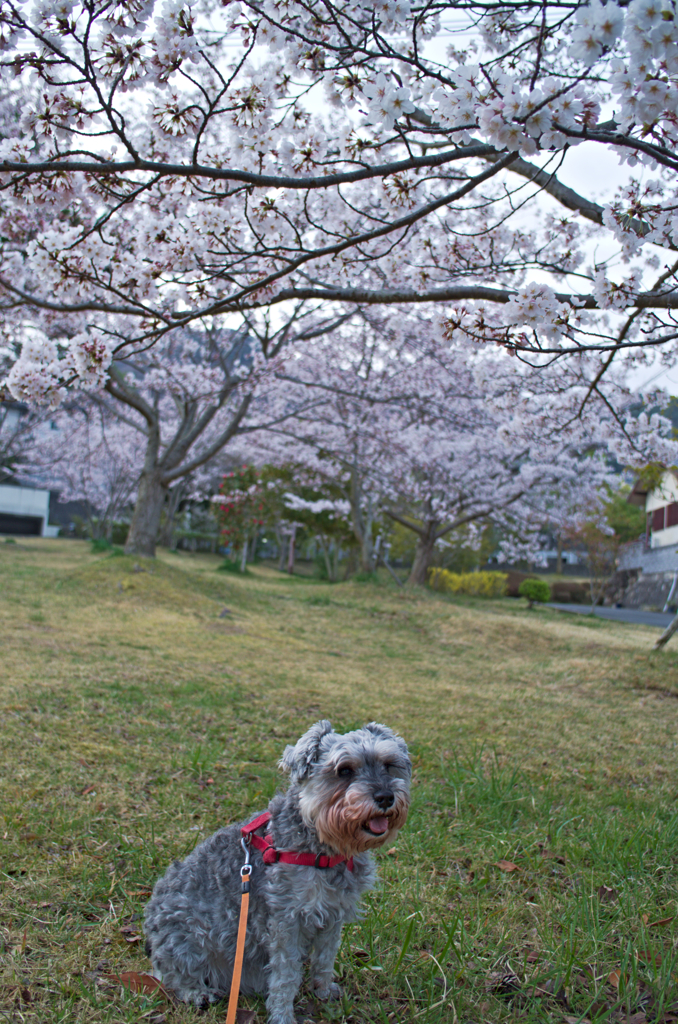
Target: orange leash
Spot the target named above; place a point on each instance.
(245, 874)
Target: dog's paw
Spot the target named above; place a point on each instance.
(202, 1000)
(326, 992)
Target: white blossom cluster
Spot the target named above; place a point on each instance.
(39, 373)
(537, 308)
(295, 503)
(161, 165)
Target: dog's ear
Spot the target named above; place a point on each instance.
(382, 731)
(299, 759)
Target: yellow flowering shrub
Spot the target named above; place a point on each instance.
(475, 584)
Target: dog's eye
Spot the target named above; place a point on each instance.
(344, 770)
(391, 769)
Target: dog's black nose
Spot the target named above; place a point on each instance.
(384, 799)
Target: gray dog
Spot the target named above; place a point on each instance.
(347, 795)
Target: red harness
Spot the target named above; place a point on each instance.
(273, 856)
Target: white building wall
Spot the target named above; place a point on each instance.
(664, 538)
(665, 494)
(27, 501)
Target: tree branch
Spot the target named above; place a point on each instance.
(118, 389)
(215, 447)
(108, 168)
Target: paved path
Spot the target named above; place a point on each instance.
(658, 619)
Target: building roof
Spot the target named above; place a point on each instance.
(640, 490)
(639, 494)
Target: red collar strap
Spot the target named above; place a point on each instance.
(273, 856)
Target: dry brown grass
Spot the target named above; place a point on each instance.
(135, 720)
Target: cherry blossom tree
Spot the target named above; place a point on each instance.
(16, 425)
(437, 437)
(179, 406)
(17, 433)
(316, 504)
(337, 433)
(164, 163)
(91, 457)
(243, 505)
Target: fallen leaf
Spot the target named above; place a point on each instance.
(550, 855)
(660, 923)
(504, 983)
(576, 1020)
(636, 1018)
(19, 993)
(606, 894)
(245, 1016)
(88, 789)
(130, 934)
(615, 979)
(533, 958)
(551, 989)
(140, 892)
(644, 918)
(360, 954)
(507, 865)
(647, 957)
(145, 984)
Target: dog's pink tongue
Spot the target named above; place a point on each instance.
(379, 825)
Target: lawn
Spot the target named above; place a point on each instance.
(141, 710)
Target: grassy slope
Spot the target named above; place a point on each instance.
(134, 720)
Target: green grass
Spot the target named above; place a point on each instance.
(136, 717)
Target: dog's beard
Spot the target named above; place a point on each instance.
(342, 818)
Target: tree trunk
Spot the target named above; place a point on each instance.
(350, 563)
(280, 541)
(174, 497)
(667, 634)
(559, 556)
(384, 558)
(243, 556)
(143, 531)
(671, 592)
(290, 551)
(325, 547)
(145, 525)
(423, 556)
(362, 517)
